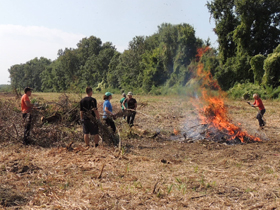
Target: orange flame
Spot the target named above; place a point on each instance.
(176, 132)
(215, 112)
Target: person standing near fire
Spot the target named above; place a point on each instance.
(131, 108)
(88, 106)
(26, 108)
(258, 103)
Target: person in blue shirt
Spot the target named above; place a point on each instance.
(108, 111)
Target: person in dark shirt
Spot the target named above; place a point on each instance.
(88, 109)
(131, 107)
(258, 103)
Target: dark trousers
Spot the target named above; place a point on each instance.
(130, 117)
(111, 123)
(260, 116)
(27, 125)
(124, 113)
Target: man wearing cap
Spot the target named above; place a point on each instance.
(88, 109)
(131, 107)
(26, 108)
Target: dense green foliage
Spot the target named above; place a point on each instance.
(150, 62)
(272, 70)
(248, 35)
(248, 32)
(28, 74)
(257, 66)
(5, 88)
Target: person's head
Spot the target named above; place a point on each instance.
(107, 96)
(255, 96)
(89, 91)
(124, 95)
(28, 91)
(129, 94)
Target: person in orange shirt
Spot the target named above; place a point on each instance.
(26, 108)
(258, 103)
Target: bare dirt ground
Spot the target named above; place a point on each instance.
(149, 172)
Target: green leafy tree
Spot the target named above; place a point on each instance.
(88, 47)
(129, 67)
(258, 31)
(271, 67)
(28, 74)
(223, 12)
(257, 63)
(113, 78)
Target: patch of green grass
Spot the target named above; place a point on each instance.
(169, 188)
(127, 168)
(138, 185)
(270, 171)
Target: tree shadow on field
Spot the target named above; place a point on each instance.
(9, 198)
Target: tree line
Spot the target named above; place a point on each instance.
(149, 62)
(248, 53)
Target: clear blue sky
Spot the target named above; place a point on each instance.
(35, 28)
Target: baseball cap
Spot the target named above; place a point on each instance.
(129, 93)
(108, 94)
(27, 89)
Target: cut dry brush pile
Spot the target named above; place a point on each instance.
(53, 124)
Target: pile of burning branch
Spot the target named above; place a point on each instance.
(214, 123)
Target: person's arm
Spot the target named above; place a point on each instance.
(135, 105)
(108, 112)
(81, 115)
(252, 105)
(124, 101)
(28, 104)
(96, 114)
(255, 104)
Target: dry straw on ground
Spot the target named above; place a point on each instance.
(147, 173)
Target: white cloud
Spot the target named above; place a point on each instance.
(20, 44)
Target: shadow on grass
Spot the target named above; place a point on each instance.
(10, 198)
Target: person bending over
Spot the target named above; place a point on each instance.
(88, 109)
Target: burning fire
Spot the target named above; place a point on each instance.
(214, 113)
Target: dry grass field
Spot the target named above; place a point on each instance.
(149, 171)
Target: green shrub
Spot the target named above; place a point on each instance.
(272, 73)
(257, 66)
(246, 91)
